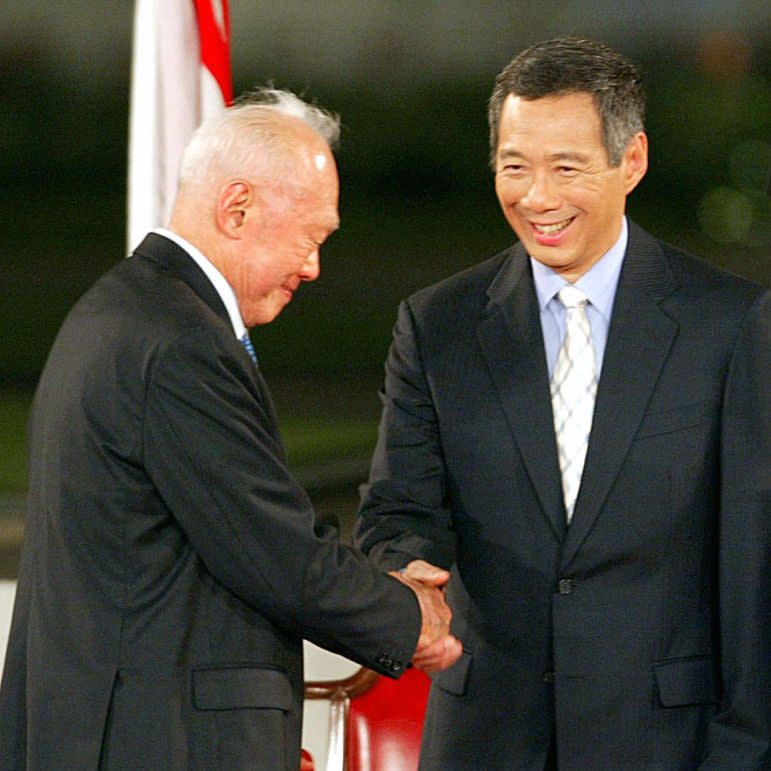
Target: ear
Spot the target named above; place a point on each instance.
(233, 201)
(635, 161)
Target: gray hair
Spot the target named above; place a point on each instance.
(247, 137)
(567, 65)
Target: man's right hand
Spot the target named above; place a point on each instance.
(437, 649)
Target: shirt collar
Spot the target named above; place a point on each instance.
(598, 283)
(224, 290)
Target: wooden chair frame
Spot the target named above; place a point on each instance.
(339, 694)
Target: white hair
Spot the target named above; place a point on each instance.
(323, 122)
(247, 137)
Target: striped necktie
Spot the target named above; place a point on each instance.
(247, 343)
(573, 391)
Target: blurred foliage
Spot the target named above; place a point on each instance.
(14, 409)
(417, 201)
(309, 439)
(312, 439)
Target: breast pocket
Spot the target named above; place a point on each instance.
(667, 421)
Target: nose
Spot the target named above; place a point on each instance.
(542, 194)
(311, 268)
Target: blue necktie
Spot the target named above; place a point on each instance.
(247, 343)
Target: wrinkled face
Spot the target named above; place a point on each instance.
(555, 184)
(279, 238)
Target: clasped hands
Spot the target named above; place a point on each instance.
(437, 649)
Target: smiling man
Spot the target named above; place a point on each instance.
(557, 187)
(270, 217)
(579, 430)
(171, 566)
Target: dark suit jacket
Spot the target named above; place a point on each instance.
(639, 637)
(170, 566)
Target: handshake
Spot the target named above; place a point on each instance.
(437, 649)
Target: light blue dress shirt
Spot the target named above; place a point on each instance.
(599, 284)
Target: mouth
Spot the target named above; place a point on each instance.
(552, 229)
(289, 289)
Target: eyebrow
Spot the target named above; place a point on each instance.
(329, 226)
(568, 156)
(505, 154)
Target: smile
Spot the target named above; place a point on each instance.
(552, 229)
(289, 288)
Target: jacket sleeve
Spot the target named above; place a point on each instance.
(212, 449)
(740, 734)
(404, 513)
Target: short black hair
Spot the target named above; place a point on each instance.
(567, 65)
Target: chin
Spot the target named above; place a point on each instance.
(265, 319)
(258, 319)
(549, 257)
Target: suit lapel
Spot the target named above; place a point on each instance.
(162, 250)
(639, 340)
(509, 333)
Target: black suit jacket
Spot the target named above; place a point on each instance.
(170, 566)
(639, 637)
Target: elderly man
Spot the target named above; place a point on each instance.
(580, 428)
(171, 567)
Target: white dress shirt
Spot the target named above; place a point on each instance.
(224, 290)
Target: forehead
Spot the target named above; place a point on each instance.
(317, 201)
(306, 191)
(567, 119)
(303, 207)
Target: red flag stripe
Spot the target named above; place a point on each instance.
(215, 45)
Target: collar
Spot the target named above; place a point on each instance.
(598, 283)
(224, 290)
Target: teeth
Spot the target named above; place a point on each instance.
(550, 230)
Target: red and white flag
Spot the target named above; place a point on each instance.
(180, 77)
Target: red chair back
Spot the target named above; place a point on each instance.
(385, 724)
(376, 723)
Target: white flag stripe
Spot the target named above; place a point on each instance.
(171, 94)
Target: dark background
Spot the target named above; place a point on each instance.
(411, 80)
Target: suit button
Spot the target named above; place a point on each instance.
(566, 585)
(396, 666)
(548, 677)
